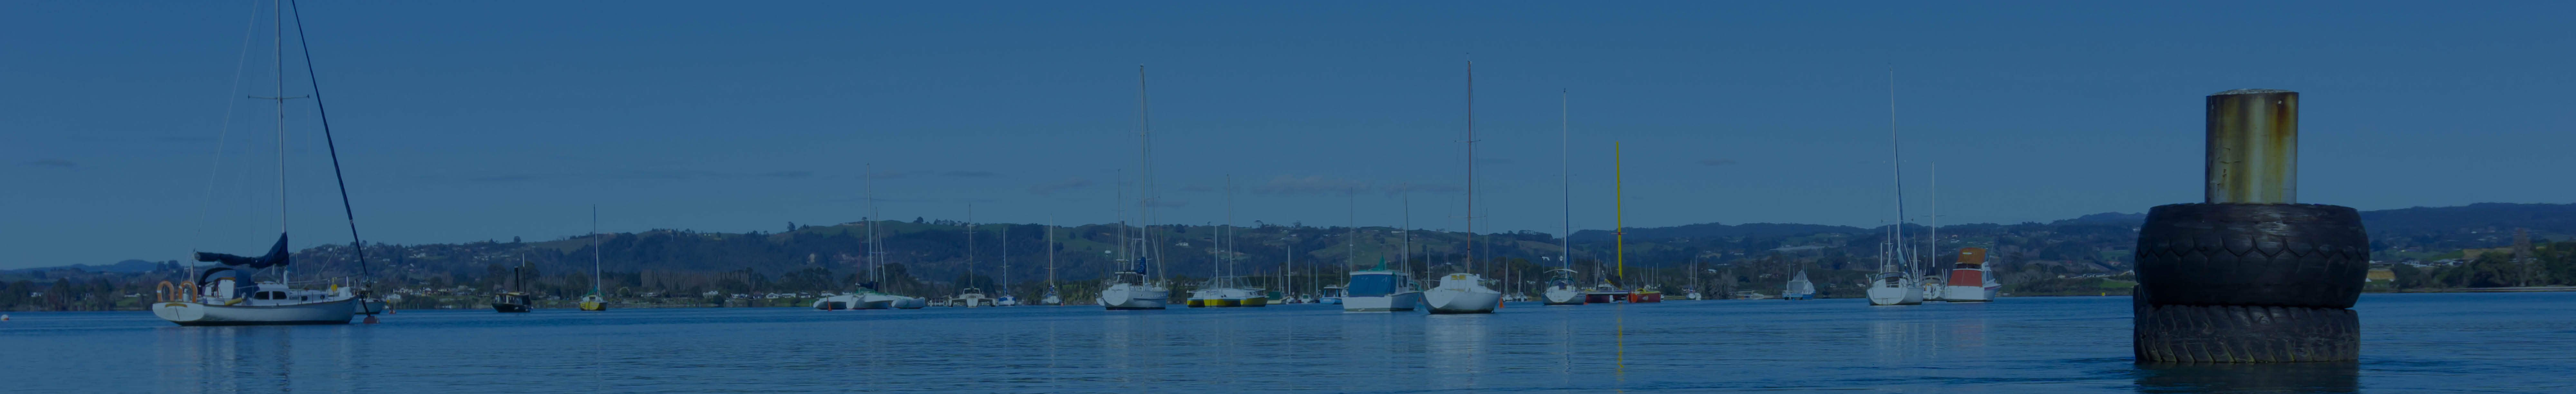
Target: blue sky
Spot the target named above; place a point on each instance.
(473, 121)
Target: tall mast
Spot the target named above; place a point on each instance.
(970, 246)
(1050, 249)
(1565, 152)
(1934, 194)
(1619, 211)
(1471, 165)
(1229, 223)
(1118, 212)
(594, 250)
(1005, 286)
(1896, 165)
(323, 113)
(873, 221)
(279, 41)
(1145, 184)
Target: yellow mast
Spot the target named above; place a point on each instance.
(1619, 211)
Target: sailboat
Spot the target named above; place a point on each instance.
(594, 302)
(1007, 299)
(1131, 289)
(516, 300)
(1561, 290)
(870, 295)
(1895, 282)
(238, 298)
(1799, 288)
(1464, 291)
(970, 296)
(1691, 291)
(1226, 290)
(1287, 280)
(1051, 298)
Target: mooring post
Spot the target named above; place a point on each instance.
(2253, 147)
(2250, 275)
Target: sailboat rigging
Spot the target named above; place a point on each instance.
(241, 299)
(1464, 290)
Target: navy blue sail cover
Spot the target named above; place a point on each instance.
(277, 256)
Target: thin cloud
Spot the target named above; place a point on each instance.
(970, 174)
(55, 163)
(1410, 187)
(1717, 162)
(1050, 188)
(885, 174)
(502, 179)
(650, 175)
(1311, 184)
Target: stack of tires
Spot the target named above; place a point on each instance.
(2249, 283)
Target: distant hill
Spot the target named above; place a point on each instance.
(128, 266)
(2470, 226)
(1715, 230)
(936, 251)
(2105, 219)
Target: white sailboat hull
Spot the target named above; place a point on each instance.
(1462, 300)
(879, 301)
(1126, 296)
(1462, 293)
(1904, 294)
(1398, 302)
(837, 302)
(1564, 296)
(196, 314)
(370, 306)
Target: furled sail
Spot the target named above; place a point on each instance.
(277, 256)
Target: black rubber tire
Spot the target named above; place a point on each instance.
(2291, 255)
(2245, 334)
(2318, 377)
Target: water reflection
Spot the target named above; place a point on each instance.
(257, 359)
(1898, 342)
(1619, 344)
(2047, 344)
(1457, 344)
(2327, 377)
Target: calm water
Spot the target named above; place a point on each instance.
(2415, 343)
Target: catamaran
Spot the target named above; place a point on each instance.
(1464, 291)
(869, 295)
